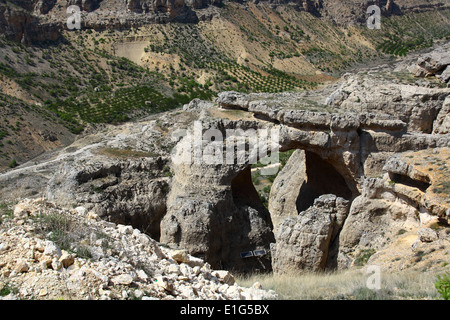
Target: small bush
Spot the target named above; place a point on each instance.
(363, 257)
(7, 289)
(443, 286)
(13, 164)
(65, 232)
(58, 229)
(5, 212)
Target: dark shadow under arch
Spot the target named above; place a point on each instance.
(321, 178)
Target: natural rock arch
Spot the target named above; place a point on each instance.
(215, 212)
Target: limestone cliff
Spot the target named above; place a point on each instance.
(39, 20)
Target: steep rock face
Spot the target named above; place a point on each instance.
(20, 25)
(302, 242)
(43, 6)
(53, 16)
(140, 6)
(215, 213)
(286, 189)
(126, 192)
(442, 123)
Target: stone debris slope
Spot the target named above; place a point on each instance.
(102, 260)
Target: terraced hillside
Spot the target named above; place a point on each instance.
(110, 75)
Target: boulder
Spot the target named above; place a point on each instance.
(303, 242)
(51, 249)
(67, 259)
(122, 279)
(21, 266)
(427, 235)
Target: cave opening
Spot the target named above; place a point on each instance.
(404, 179)
(252, 225)
(244, 191)
(321, 178)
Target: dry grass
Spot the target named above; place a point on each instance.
(346, 285)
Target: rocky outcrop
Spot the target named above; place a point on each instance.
(354, 12)
(334, 147)
(131, 192)
(352, 142)
(435, 63)
(176, 7)
(416, 107)
(20, 25)
(44, 6)
(362, 138)
(303, 242)
(176, 10)
(409, 197)
(442, 123)
(85, 5)
(215, 212)
(107, 262)
(286, 189)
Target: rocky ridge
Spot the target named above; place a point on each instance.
(42, 20)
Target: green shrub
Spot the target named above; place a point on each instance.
(13, 164)
(443, 285)
(6, 211)
(364, 256)
(65, 232)
(7, 289)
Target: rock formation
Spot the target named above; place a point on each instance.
(285, 190)
(367, 142)
(85, 5)
(20, 25)
(435, 63)
(215, 212)
(303, 241)
(356, 144)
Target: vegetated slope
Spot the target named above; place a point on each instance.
(118, 73)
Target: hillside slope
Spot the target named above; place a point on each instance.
(132, 58)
